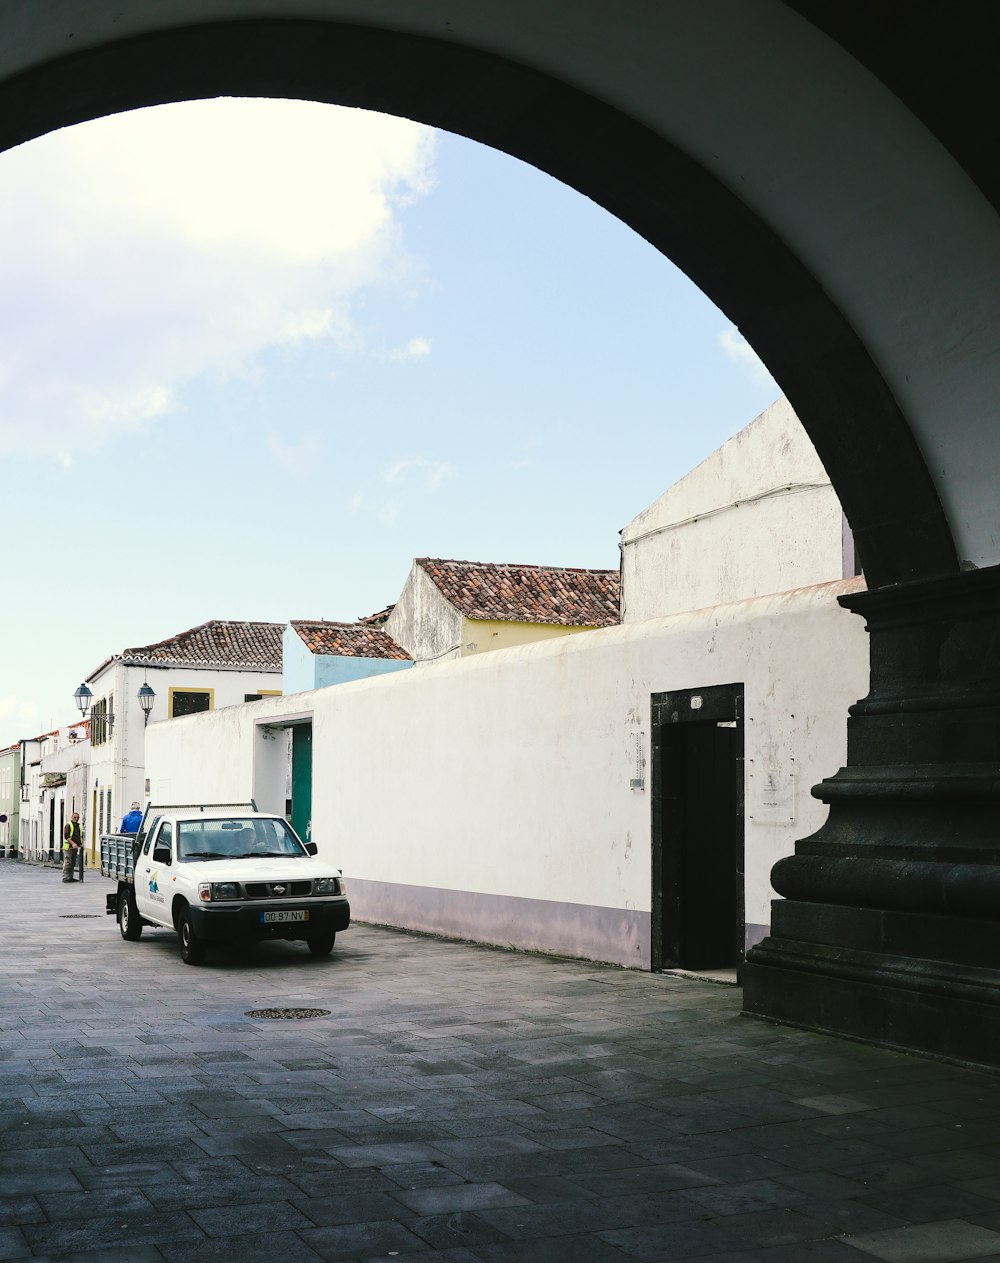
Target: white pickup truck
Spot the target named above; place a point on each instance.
(222, 874)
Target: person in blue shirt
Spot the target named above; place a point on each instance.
(131, 820)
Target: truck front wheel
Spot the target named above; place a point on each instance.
(129, 921)
(192, 947)
(322, 944)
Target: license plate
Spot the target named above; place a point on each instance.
(296, 914)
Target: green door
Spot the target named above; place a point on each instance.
(302, 780)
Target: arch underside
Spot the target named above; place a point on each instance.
(813, 350)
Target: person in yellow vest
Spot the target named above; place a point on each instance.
(72, 841)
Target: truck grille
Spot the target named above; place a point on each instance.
(277, 889)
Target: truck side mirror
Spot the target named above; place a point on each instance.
(312, 848)
(161, 854)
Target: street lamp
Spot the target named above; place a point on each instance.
(83, 697)
(146, 699)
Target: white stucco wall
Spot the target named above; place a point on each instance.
(490, 798)
(757, 516)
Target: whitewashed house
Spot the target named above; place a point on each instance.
(553, 795)
(53, 787)
(10, 799)
(216, 664)
(757, 516)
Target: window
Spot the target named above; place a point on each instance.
(255, 697)
(102, 721)
(165, 837)
(149, 836)
(190, 701)
(236, 837)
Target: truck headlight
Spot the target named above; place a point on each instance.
(325, 886)
(213, 892)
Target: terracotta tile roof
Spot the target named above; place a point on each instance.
(378, 618)
(217, 643)
(347, 640)
(527, 594)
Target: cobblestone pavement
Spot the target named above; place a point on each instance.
(458, 1105)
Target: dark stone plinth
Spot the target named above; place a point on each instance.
(889, 928)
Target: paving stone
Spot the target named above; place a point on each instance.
(120, 1251)
(577, 1248)
(272, 1247)
(89, 1205)
(774, 1227)
(20, 1210)
(744, 1196)
(63, 1236)
(235, 1192)
(454, 1254)
(13, 1244)
(684, 1240)
(460, 1228)
(458, 1197)
(650, 1179)
(626, 1115)
(947, 1241)
(551, 1188)
(257, 1218)
(361, 1241)
(41, 1182)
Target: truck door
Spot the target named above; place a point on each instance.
(152, 874)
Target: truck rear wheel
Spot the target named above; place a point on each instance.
(192, 947)
(129, 921)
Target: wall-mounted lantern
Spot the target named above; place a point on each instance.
(146, 699)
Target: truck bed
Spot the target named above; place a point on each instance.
(116, 855)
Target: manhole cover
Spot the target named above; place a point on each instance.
(78, 916)
(291, 1014)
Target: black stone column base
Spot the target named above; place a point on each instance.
(909, 980)
(889, 929)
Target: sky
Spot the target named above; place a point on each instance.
(256, 356)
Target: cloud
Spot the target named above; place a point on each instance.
(742, 353)
(415, 349)
(403, 482)
(145, 250)
(427, 474)
(299, 455)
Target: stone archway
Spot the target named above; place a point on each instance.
(784, 168)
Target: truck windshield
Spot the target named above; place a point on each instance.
(236, 838)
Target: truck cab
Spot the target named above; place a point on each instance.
(216, 875)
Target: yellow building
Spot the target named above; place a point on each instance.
(451, 609)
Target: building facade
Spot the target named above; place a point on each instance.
(316, 653)
(216, 664)
(454, 609)
(620, 795)
(10, 798)
(53, 786)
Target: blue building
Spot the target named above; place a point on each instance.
(317, 653)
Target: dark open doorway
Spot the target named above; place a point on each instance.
(697, 822)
